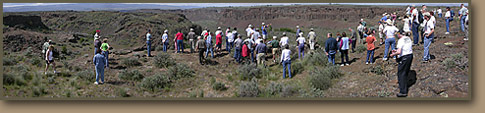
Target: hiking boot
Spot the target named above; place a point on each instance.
(341, 65)
(347, 64)
(366, 63)
(401, 95)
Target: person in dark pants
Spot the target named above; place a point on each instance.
(238, 47)
(200, 46)
(354, 38)
(331, 48)
(405, 58)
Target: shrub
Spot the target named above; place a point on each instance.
(163, 60)
(316, 59)
(449, 63)
(36, 61)
(361, 48)
(249, 89)
(219, 86)
(376, 69)
(8, 61)
(288, 30)
(246, 72)
(288, 90)
(130, 62)
(39, 90)
(122, 92)
(88, 75)
(273, 89)
(320, 78)
(130, 75)
(180, 71)
(156, 82)
(296, 68)
(9, 79)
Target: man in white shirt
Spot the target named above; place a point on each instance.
(415, 24)
(229, 39)
(390, 30)
(284, 40)
(405, 57)
(428, 36)
(462, 14)
(448, 19)
(249, 30)
(301, 46)
(440, 12)
(256, 36)
(311, 35)
(286, 60)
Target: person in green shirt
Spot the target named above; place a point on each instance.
(275, 45)
(105, 47)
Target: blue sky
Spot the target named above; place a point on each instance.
(238, 4)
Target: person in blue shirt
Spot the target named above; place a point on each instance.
(149, 44)
(331, 48)
(265, 32)
(100, 63)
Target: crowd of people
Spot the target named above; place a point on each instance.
(255, 46)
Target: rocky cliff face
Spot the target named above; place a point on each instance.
(24, 22)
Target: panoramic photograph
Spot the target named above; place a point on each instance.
(236, 51)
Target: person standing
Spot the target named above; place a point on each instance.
(275, 47)
(415, 24)
(261, 53)
(407, 23)
(286, 60)
(390, 42)
(284, 40)
(463, 15)
(100, 63)
(49, 58)
(363, 22)
(360, 29)
(381, 32)
(149, 43)
(238, 48)
(298, 31)
(353, 37)
(97, 44)
(45, 47)
(249, 30)
(311, 35)
(104, 48)
(344, 48)
(440, 12)
(448, 19)
(200, 46)
(256, 36)
(301, 46)
(229, 39)
(180, 42)
(264, 30)
(331, 48)
(466, 26)
(250, 45)
(218, 43)
(192, 39)
(370, 48)
(428, 37)
(404, 53)
(209, 47)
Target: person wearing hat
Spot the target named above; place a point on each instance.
(384, 18)
(46, 46)
(104, 48)
(264, 31)
(360, 29)
(260, 52)
(165, 40)
(311, 35)
(363, 22)
(284, 40)
(404, 52)
(428, 37)
(200, 46)
(192, 40)
(219, 30)
(275, 47)
(390, 41)
(301, 46)
(331, 48)
(249, 30)
(97, 42)
(250, 46)
(149, 43)
(229, 39)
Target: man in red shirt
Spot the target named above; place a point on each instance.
(218, 42)
(180, 44)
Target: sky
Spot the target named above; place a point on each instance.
(6, 5)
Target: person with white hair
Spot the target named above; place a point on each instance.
(428, 37)
(312, 35)
(229, 39)
(275, 47)
(200, 46)
(301, 46)
(249, 30)
(404, 53)
(165, 40)
(284, 40)
(260, 52)
(390, 41)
